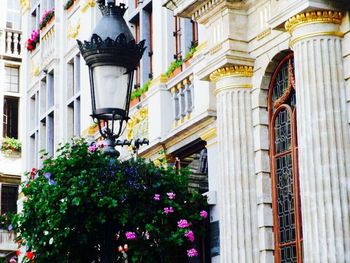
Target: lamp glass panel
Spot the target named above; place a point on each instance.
(111, 85)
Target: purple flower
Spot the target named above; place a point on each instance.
(192, 253)
(92, 148)
(190, 235)
(13, 260)
(9, 227)
(156, 197)
(47, 175)
(203, 214)
(130, 235)
(51, 182)
(171, 195)
(168, 210)
(183, 223)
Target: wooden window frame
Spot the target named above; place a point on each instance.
(177, 35)
(294, 155)
(137, 39)
(194, 33)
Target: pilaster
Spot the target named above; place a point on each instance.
(236, 180)
(323, 136)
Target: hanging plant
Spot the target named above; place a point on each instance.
(82, 200)
(46, 18)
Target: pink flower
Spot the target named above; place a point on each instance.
(92, 148)
(168, 210)
(130, 235)
(190, 235)
(203, 214)
(183, 223)
(192, 253)
(171, 195)
(156, 197)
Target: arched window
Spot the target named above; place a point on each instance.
(284, 164)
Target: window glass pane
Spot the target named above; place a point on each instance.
(9, 195)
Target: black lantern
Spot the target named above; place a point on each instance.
(112, 56)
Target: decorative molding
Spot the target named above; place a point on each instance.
(25, 5)
(139, 116)
(231, 71)
(215, 49)
(87, 4)
(35, 70)
(208, 135)
(264, 34)
(330, 17)
(73, 31)
(316, 34)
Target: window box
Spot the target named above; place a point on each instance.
(11, 146)
(47, 19)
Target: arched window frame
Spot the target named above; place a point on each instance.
(274, 108)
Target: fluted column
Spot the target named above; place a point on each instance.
(236, 182)
(323, 138)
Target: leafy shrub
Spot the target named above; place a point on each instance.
(82, 203)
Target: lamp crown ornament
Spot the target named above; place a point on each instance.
(112, 40)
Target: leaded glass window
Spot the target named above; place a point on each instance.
(284, 172)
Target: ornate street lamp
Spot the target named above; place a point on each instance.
(112, 56)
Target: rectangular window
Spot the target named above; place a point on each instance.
(13, 16)
(11, 79)
(36, 17)
(73, 97)
(151, 44)
(137, 39)
(10, 118)
(9, 196)
(177, 35)
(194, 34)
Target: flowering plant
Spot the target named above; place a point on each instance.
(33, 40)
(81, 200)
(47, 16)
(10, 145)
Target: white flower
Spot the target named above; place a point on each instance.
(51, 241)
(46, 233)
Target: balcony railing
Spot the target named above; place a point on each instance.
(11, 42)
(7, 241)
(182, 100)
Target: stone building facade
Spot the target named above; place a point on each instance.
(258, 109)
(11, 108)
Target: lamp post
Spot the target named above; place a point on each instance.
(112, 56)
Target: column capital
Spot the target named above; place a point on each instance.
(232, 77)
(313, 17)
(231, 71)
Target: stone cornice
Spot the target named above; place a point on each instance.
(232, 71)
(331, 17)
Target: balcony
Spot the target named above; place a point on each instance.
(11, 43)
(7, 242)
